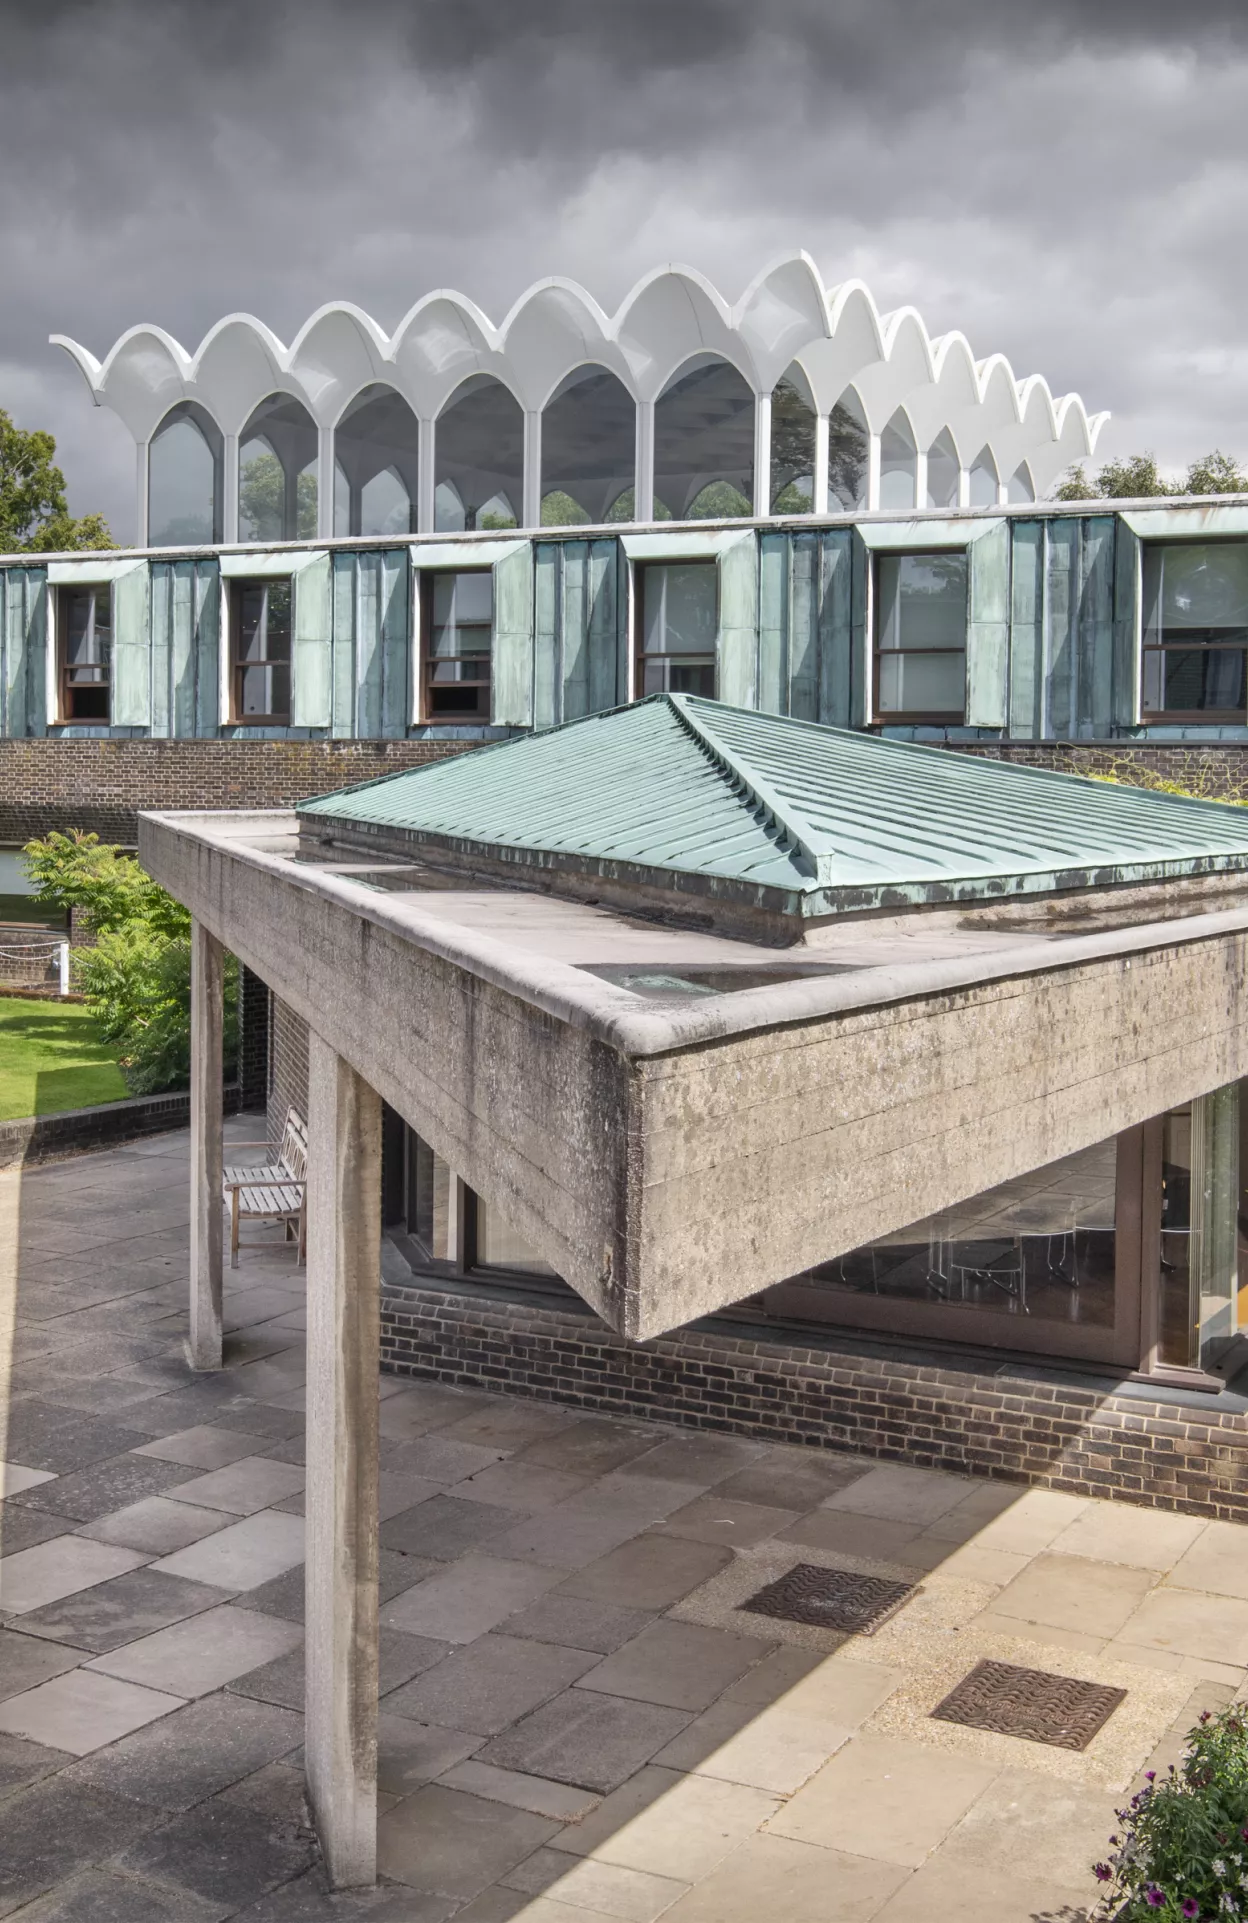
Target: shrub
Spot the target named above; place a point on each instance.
(1182, 1856)
(137, 977)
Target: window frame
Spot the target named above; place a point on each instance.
(638, 652)
(1185, 717)
(65, 716)
(915, 717)
(237, 585)
(426, 714)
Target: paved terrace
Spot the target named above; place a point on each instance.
(578, 1721)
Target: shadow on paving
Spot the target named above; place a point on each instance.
(579, 1716)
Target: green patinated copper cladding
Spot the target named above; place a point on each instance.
(789, 816)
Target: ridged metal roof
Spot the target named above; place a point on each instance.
(812, 820)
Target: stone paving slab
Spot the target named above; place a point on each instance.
(579, 1720)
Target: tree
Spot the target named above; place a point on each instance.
(1216, 473)
(262, 500)
(1135, 478)
(34, 515)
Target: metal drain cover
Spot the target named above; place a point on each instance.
(831, 1599)
(1031, 1703)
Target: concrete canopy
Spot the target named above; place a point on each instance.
(675, 1117)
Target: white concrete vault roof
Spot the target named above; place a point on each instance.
(671, 1157)
(836, 335)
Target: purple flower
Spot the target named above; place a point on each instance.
(1150, 1776)
(1190, 1906)
(1103, 1873)
(1154, 1897)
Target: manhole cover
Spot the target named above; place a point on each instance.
(831, 1599)
(1030, 1703)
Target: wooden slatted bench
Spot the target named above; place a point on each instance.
(272, 1191)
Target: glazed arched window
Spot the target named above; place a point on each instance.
(185, 466)
(277, 472)
(589, 440)
(942, 472)
(377, 454)
(983, 479)
(1022, 487)
(848, 438)
(704, 444)
(793, 426)
(479, 453)
(897, 463)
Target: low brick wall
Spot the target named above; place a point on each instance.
(1031, 1427)
(102, 784)
(1216, 772)
(43, 1138)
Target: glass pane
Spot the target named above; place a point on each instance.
(1196, 589)
(306, 503)
(847, 454)
(942, 473)
(479, 454)
(1195, 680)
(665, 674)
(87, 617)
(263, 621)
(922, 601)
(377, 436)
(428, 1198)
(463, 613)
(184, 480)
(704, 443)
(261, 493)
(385, 505)
(923, 684)
(499, 1247)
(589, 435)
(897, 464)
(1042, 1246)
(792, 449)
(264, 691)
(679, 608)
(277, 472)
(1180, 1314)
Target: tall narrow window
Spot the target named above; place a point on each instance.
(847, 453)
(678, 607)
(479, 457)
(942, 472)
(277, 459)
(260, 651)
(184, 478)
(589, 431)
(704, 444)
(458, 616)
(793, 427)
(1196, 630)
(377, 461)
(898, 464)
(920, 656)
(84, 624)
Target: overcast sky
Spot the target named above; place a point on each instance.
(1068, 192)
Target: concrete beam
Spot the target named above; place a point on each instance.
(207, 1073)
(344, 1293)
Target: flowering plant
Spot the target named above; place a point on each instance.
(1182, 1856)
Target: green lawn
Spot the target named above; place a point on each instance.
(51, 1057)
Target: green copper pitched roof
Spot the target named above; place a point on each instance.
(797, 817)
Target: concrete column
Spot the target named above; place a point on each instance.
(819, 502)
(324, 483)
(531, 512)
(920, 478)
(643, 486)
(873, 473)
(1003, 494)
(964, 487)
(427, 477)
(344, 1285)
(762, 456)
(229, 478)
(142, 465)
(207, 1021)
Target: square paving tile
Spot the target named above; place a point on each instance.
(282, 1680)
(771, 1748)
(1121, 1532)
(579, 1624)
(57, 1568)
(897, 1494)
(787, 1882)
(444, 1527)
(843, 1533)
(441, 1839)
(241, 1487)
(156, 1525)
(698, 1458)
(464, 1600)
(884, 1798)
(104, 1486)
(53, 1829)
(677, 1826)
(580, 1737)
(596, 1888)
(525, 1487)
(651, 1572)
(590, 1446)
(504, 1423)
(942, 1892)
(79, 1712)
(1217, 1561)
(1071, 1592)
(15, 1476)
(101, 1896)
(572, 1533)
(221, 1853)
(243, 1555)
(441, 1459)
(716, 1518)
(285, 1594)
(490, 1683)
(679, 1664)
(1210, 1628)
(194, 1752)
(409, 1753)
(191, 1658)
(119, 1611)
(23, 1763)
(26, 1661)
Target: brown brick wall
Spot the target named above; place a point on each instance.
(1217, 771)
(1021, 1428)
(288, 1065)
(103, 784)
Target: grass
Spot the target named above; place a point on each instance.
(52, 1058)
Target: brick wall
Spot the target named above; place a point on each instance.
(288, 1065)
(103, 784)
(1026, 1426)
(253, 1040)
(1216, 772)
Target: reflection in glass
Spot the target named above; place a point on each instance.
(1201, 1211)
(184, 479)
(277, 473)
(942, 472)
(1196, 628)
(459, 614)
(260, 650)
(589, 440)
(793, 421)
(85, 625)
(1043, 1246)
(500, 1247)
(897, 464)
(479, 451)
(679, 624)
(704, 444)
(921, 635)
(377, 453)
(428, 1198)
(847, 453)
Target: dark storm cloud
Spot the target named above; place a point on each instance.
(1064, 183)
